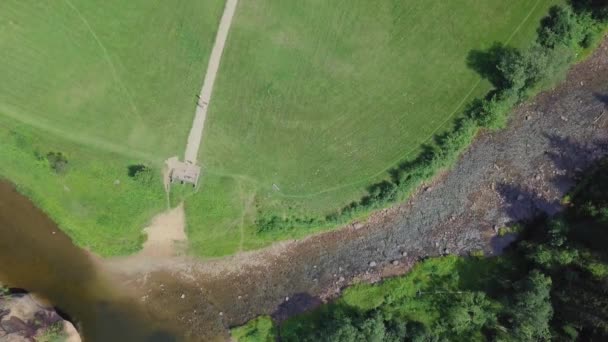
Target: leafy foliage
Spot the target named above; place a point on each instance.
(57, 161)
(256, 330)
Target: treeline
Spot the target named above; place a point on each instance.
(551, 285)
(515, 74)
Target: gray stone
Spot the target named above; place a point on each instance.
(372, 264)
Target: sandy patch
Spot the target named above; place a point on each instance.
(166, 241)
(166, 234)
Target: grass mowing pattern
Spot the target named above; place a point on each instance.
(116, 75)
(316, 100)
(117, 82)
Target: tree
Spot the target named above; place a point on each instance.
(470, 312)
(558, 28)
(532, 310)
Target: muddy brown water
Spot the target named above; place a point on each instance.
(36, 256)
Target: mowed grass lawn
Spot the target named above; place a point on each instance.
(113, 74)
(317, 99)
(109, 84)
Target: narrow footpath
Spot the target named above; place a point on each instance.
(198, 125)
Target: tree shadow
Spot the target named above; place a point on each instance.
(571, 157)
(134, 169)
(485, 63)
(602, 97)
(589, 6)
(523, 205)
(297, 304)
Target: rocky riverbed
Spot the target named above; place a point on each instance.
(23, 317)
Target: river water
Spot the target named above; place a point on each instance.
(36, 256)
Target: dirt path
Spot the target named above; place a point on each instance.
(196, 132)
(166, 240)
(506, 176)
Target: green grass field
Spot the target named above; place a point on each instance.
(109, 84)
(314, 101)
(118, 76)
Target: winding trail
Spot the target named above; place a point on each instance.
(198, 125)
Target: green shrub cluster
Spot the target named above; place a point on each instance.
(515, 73)
(57, 161)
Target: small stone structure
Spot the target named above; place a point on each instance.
(183, 172)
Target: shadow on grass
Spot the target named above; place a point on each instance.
(485, 63)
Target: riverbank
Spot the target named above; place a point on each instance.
(37, 257)
(504, 177)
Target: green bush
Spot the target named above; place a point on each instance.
(260, 329)
(58, 162)
(560, 27)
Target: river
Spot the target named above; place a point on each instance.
(36, 256)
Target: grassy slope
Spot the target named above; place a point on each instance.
(116, 81)
(320, 98)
